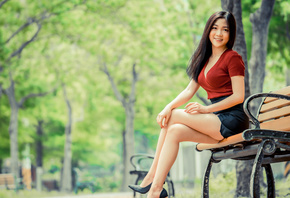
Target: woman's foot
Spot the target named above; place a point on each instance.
(140, 189)
(145, 185)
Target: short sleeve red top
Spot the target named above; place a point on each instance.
(217, 82)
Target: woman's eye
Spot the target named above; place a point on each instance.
(226, 30)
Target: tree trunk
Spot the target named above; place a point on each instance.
(243, 175)
(13, 129)
(260, 25)
(240, 46)
(66, 185)
(3, 2)
(66, 180)
(39, 147)
(13, 125)
(243, 168)
(128, 145)
(128, 104)
(260, 21)
(39, 154)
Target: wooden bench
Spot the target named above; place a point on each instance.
(8, 182)
(268, 142)
(141, 164)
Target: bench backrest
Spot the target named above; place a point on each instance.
(7, 180)
(275, 113)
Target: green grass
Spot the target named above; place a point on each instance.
(221, 186)
(25, 194)
(35, 194)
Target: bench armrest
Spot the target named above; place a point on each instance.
(136, 160)
(252, 118)
(251, 134)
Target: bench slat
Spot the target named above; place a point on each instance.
(282, 124)
(274, 105)
(225, 142)
(7, 181)
(274, 114)
(284, 91)
(4, 175)
(7, 178)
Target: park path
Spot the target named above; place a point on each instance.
(99, 195)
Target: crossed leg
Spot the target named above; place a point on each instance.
(202, 128)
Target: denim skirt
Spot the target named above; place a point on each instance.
(233, 120)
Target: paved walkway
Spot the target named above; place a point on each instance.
(99, 195)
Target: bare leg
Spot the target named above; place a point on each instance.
(208, 124)
(151, 173)
(178, 133)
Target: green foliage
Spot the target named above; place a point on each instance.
(278, 59)
(4, 119)
(227, 182)
(285, 9)
(107, 184)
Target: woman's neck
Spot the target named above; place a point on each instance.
(216, 52)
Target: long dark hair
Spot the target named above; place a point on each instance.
(204, 49)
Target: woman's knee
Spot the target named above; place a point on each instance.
(174, 131)
(175, 115)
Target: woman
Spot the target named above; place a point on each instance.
(220, 71)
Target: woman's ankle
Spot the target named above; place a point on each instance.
(147, 180)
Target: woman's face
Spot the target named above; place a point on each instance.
(219, 34)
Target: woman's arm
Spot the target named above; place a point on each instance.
(181, 99)
(185, 95)
(238, 86)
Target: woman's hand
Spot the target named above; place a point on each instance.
(195, 107)
(163, 117)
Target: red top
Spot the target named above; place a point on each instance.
(217, 82)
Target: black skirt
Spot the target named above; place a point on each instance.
(233, 120)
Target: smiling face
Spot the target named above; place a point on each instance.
(219, 34)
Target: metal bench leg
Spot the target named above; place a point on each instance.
(170, 186)
(270, 181)
(255, 182)
(205, 183)
(267, 146)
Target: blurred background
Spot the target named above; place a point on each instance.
(81, 83)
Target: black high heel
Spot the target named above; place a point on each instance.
(163, 193)
(139, 189)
